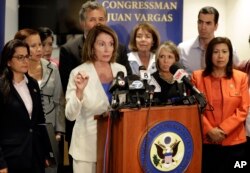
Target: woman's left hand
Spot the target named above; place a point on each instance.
(47, 164)
(216, 135)
(58, 137)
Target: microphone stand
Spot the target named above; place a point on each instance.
(138, 101)
(202, 102)
(114, 102)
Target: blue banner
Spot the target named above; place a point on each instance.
(2, 21)
(165, 15)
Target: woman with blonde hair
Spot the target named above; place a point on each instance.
(167, 90)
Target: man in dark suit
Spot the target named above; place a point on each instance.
(90, 14)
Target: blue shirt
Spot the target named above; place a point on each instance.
(106, 87)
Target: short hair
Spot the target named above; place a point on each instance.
(24, 33)
(90, 5)
(45, 33)
(209, 53)
(151, 29)
(87, 53)
(167, 45)
(210, 10)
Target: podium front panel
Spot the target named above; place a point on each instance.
(129, 130)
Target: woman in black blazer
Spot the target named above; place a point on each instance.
(22, 140)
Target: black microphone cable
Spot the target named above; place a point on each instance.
(146, 136)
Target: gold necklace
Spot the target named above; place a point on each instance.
(169, 81)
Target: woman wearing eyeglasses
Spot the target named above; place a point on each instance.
(47, 75)
(21, 140)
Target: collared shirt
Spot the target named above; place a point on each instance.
(135, 63)
(24, 93)
(192, 55)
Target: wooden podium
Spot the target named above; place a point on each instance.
(130, 127)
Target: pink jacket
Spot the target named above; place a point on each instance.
(236, 103)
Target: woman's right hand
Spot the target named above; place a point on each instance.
(5, 170)
(81, 81)
(216, 135)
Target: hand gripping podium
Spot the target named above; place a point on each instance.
(159, 139)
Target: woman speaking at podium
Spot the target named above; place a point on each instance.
(88, 94)
(226, 90)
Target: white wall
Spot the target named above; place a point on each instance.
(234, 21)
(190, 16)
(238, 26)
(11, 19)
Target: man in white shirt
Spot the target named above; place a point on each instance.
(192, 52)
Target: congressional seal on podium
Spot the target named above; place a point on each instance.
(166, 147)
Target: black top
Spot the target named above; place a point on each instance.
(170, 92)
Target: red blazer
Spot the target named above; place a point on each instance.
(236, 103)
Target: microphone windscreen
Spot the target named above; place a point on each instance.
(133, 77)
(120, 74)
(174, 67)
(142, 67)
(152, 88)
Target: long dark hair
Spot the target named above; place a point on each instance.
(45, 33)
(6, 74)
(209, 53)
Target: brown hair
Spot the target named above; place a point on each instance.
(151, 29)
(24, 33)
(167, 45)
(87, 53)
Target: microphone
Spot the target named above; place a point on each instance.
(144, 74)
(134, 83)
(136, 90)
(145, 77)
(180, 75)
(151, 89)
(118, 82)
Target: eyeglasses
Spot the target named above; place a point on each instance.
(22, 58)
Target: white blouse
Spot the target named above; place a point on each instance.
(24, 93)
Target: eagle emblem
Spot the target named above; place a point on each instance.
(167, 147)
(166, 152)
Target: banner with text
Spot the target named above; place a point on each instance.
(165, 15)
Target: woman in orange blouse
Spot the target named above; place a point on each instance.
(226, 90)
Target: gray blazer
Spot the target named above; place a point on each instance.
(52, 96)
